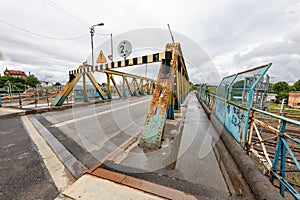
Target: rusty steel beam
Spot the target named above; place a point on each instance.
(162, 102)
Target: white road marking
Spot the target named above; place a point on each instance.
(97, 114)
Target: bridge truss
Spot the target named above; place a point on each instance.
(169, 90)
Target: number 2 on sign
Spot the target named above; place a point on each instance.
(122, 47)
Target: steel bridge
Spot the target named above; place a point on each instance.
(232, 111)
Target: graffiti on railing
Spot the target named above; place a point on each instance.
(237, 90)
(236, 118)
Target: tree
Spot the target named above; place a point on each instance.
(194, 87)
(9, 81)
(282, 95)
(4, 79)
(271, 88)
(297, 85)
(57, 84)
(281, 87)
(292, 88)
(237, 88)
(32, 81)
(238, 84)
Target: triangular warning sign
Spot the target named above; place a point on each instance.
(101, 58)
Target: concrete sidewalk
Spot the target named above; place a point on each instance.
(90, 187)
(10, 112)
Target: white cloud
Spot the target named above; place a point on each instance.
(235, 34)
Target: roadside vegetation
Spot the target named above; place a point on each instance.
(18, 84)
(282, 89)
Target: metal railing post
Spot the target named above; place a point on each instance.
(20, 100)
(35, 97)
(47, 97)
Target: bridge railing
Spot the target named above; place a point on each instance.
(41, 96)
(271, 140)
(278, 148)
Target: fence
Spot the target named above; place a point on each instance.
(238, 89)
(18, 99)
(269, 139)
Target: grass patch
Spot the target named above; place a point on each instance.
(296, 181)
(275, 108)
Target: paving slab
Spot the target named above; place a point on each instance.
(89, 188)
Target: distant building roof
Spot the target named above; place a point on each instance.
(14, 72)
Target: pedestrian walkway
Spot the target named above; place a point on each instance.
(90, 187)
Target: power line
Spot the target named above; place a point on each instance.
(69, 14)
(65, 11)
(40, 35)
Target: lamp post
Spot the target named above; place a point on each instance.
(92, 31)
(111, 48)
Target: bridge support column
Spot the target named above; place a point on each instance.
(60, 98)
(141, 88)
(85, 93)
(108, 88)
(128, 87)
(171, 107)
(167, 90)
(115, 85)
(124, 88)
(135, 87)
(96, 85)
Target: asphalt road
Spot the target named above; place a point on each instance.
(22, 171)
(90, 133)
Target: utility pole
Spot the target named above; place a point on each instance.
(171, 33)
(111, 48)
(92, 31)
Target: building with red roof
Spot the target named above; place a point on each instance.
(15, 73)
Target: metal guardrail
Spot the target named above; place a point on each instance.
(286, 147)
(285, 144)
(20, 99)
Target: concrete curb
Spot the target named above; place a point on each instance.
(12, 113)
(259, 184)
(3, 116)
(76, 168)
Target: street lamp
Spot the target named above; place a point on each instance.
(92, 31)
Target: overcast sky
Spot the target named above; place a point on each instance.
(50, 37)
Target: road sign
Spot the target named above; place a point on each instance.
(101, 58)
(124, 48)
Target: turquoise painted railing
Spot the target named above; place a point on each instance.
(285, 143)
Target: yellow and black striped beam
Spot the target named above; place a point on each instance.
(157, 57)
